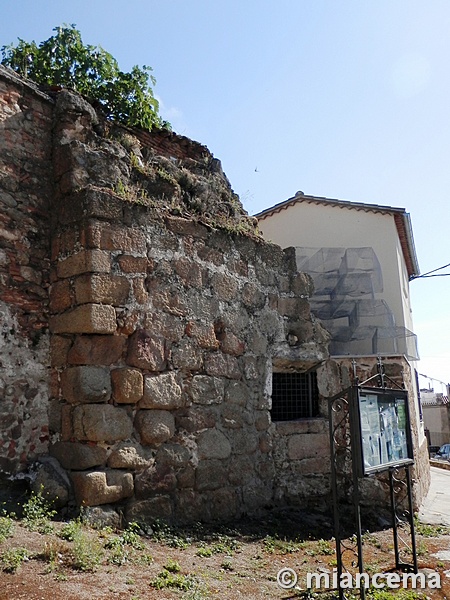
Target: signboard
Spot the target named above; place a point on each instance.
(383, 429)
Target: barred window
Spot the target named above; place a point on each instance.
(294, 396)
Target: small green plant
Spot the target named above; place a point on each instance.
(372, 567)
(131, 536)
(421, 548)
(168, 579)
(163, 174)
(6, 528)
(172, 566)
(402, 594)
(12, 559)
(55, 554)
(121, 189)
(428, 530)
(69, 531)
(37, 513)
(227, 565)
(87, 553)
(137, 164)
(325, 547)
(122, 546)
(197, 592)
(204, 552)
(225, 545)
(132, 194)
(144, 558)
(369, 538)
(275, 545)
(166, 535)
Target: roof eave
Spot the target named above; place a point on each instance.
(401, 217)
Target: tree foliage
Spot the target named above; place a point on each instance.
(63, 60)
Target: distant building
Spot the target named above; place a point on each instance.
(436, 416)
(361, 258)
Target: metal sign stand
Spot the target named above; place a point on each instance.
(344, 474)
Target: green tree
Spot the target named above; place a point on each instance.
(63, 60)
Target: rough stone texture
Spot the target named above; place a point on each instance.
(129, 456)
(164, 330)
(88, 318)
(128, 385)
(77, 456)
(86, 384)
(96, 349)
(102, 517)
(313, 445)
(148, 511)
(213, 444)
(222, 365)
(86, 261)
(147, 351)
(203, 334)
(102, 487)
(25, 193)
(155, 426)
(329, 380)
(100, 423)
(162, 391)
(210, 475)
(104, 289)
(53, 480)
(206, 390)
(59, 350)
(186, 356)
(158, 478)
(24, 381)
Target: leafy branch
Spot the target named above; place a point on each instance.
(64, 61)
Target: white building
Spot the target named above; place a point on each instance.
(361, 258)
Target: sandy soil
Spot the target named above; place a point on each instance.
(235, 563)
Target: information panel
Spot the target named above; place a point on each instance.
(384, 429)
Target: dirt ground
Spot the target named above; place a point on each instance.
(242, 561)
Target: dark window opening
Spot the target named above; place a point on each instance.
(294, 396)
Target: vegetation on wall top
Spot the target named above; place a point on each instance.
(64, 61)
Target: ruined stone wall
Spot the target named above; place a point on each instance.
(164, 330)
(25, 192)
(162, 346)
(151, 387)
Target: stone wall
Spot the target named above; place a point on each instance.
(142, 315)
(25, 192)
(167, 313)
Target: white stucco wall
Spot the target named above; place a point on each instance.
(318, 226)
(326, 226)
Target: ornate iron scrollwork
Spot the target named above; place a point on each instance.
(345, 490)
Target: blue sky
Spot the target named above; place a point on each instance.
(345, 99)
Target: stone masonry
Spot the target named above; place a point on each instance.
(142, 316)
(26, 183)
(163, 333)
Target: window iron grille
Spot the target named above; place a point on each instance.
(294, 396)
